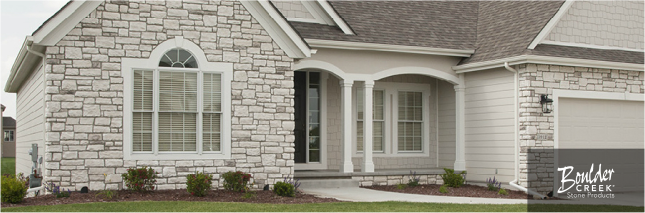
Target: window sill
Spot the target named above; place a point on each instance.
(177, 156)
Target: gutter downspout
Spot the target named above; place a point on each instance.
(517, 169)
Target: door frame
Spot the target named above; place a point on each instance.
(323, 125)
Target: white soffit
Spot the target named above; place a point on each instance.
(551, 24)
(348, 45)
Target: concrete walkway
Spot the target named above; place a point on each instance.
(355, 194)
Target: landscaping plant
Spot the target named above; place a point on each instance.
(493, 184)
(401, 186)
(140, 179)
(502, 192)
(199, 183)
(451, 179)
(14, 188)
(107, 194)
(443, 189)
(413, 179)
(54, 189)
(293, 182)
(284, 189)
(236, 181)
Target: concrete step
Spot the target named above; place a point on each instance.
(328, 183)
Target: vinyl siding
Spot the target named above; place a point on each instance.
(446, 93)
(30, 121)
(490, 125)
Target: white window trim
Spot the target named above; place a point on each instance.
(390, 146)
(128, 65)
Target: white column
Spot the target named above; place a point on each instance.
(346, 164)
(460, 133)
(368, 165)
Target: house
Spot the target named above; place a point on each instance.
(9, 137)
(281, 88)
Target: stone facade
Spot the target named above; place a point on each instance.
(392, 180)
(535, 80)
(84, 92)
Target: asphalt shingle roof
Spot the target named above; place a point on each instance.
(406, 23)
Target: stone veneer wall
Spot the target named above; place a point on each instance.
(535, 80)
(84, 92)
(391, 180)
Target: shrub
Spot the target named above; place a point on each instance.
(443, 189)
(413, 179)
(198, 184)
(401, 186)
(140, 179)
(290, 180)
(14, 188)
(451, 179)
(107, 194)
(236, 181)
(284, 189)
(502, 192)
(54, 189)
(493, 184)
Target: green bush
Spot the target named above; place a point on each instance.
(502, 192)
(401, 186)
(236, 181)
(284, 189)
(443, 189)
(451, 179)
(199, 183)
(413, 179)
(141, 179)
(14, 189)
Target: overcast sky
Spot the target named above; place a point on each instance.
(17, 20)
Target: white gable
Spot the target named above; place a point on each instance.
(600, 24)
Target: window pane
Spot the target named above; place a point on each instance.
(142, 131)
(178, 58)
(379, 104)
(143, 90)
(378, 136)
(212, 92)
(177, 91)
(359, 134)
(410, 122)
(314, 155)
(359, 103)
(177, 131)
(211, 131)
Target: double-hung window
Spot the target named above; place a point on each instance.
(401, 118)
(177, 108)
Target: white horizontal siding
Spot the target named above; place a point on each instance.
(30, 120)
(447, 124)
(490, 125)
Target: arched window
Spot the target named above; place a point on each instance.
(178, 58)
(179, 110)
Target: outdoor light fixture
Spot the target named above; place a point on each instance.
(547, 104)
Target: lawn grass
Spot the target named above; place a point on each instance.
(183, 206)
(8, 166)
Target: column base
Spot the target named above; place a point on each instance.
(347, 167)
(367, 167)
(460, 166)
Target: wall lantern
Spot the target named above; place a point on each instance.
(547, 104)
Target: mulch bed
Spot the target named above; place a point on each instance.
(463, 191)
(171, 195)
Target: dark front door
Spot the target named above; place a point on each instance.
(300, 131)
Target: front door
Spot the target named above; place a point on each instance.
(307, 117)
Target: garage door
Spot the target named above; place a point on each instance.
(600, 124)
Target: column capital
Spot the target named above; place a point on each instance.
(346, 83)
(460, 88)
(368, 84)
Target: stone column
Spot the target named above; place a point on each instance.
(368, 165)
(460, 133)
(346, 164)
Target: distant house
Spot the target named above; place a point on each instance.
(366, 90)
(8, 137)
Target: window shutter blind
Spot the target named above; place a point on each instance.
(142, 111)
(212, 116)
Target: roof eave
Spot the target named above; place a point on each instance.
(13, 83)
(348, 45)
(63, 21)
(538, 59)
